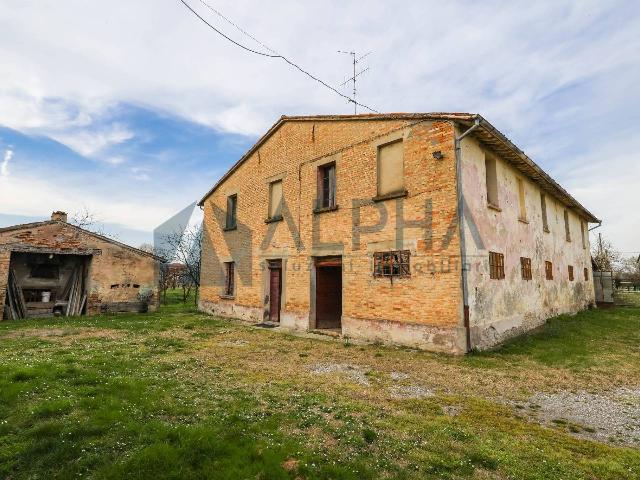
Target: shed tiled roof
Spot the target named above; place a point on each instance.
(25, 226)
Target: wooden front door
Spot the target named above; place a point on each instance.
(275, 289)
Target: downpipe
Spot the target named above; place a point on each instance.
(465, 293)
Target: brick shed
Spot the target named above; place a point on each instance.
(431, 230)
(54, 267)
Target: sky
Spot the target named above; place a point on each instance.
(133, 110)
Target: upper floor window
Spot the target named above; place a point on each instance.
(392, 264)
(492, 181)
(390, 168)
(583, 233)
(586, 274)
(543, 206)
(570, 273)
(496, 265)
(326, 186)
(521, 201)
(232, 206)
(567, 232)
(275, 200)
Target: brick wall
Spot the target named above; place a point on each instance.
(423, 310)
(5, 258)
(114, 265)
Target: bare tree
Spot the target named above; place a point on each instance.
(165, 279)
(185, 248)
(147, 247)
(88, 220)
(630, 270)
(605, 255)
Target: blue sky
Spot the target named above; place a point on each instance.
(132, 110)
(153, 157)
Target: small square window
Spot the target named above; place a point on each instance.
(496, 265)
(392, 264)
(525, 266)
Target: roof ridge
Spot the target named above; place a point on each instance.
(83, 230)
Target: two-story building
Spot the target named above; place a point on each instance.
(427, 230)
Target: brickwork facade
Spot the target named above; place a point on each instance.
(425, 309)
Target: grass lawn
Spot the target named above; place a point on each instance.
(177, 394)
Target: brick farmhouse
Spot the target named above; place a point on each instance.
(54, 267)
(426, 230)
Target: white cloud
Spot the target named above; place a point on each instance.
(4, 166)
(116, 160)
(61, 76)
(91, 142)
(111, 204)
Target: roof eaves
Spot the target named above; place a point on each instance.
(536, 172)
(97, 235)
(236, 165)
(315, 118)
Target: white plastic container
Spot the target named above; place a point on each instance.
(46, 297)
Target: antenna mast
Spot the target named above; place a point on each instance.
(355, 61)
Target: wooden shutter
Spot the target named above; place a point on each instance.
(543, 206)
(275, 199)
(232, 203)
(390, 168)
(491, 173)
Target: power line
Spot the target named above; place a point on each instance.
(276, 55)
(240, 29)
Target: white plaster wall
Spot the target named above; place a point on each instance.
(499, 309)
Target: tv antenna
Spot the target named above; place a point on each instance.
(353, 79)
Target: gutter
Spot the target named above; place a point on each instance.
(597, 226)
(465, 293)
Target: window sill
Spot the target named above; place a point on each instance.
(230, 229)
(227, 297)
(395, 277)
(325, 209)
(390, 196)
(494, 207)
(273, 219)
(523, 220)
(546, 230)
